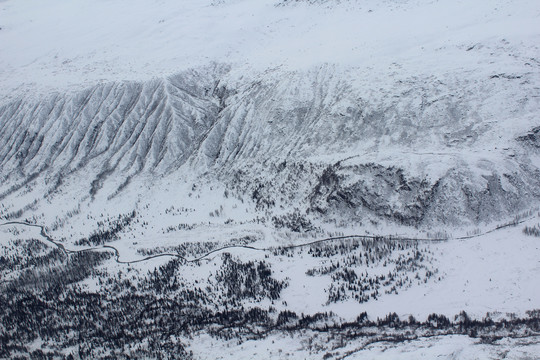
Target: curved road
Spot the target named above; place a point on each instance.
(348, 237)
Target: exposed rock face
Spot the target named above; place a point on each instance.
(532, 138)
(306, 143)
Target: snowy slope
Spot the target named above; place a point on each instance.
(436, 98)
(431, 96)
(58, 45)
(151, 127)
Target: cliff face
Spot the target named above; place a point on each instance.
(420, 151)
(419, 113)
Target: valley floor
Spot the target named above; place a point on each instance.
(354, 297)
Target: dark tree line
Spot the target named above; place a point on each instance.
(132, 317)
(248, 280)
(100, 237)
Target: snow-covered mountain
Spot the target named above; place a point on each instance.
(426, 150)
(430, 97)
(181, 128)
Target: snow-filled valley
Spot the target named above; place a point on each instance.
(270, 179)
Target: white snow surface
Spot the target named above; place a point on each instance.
(58, 45)
(382, 49)
(445, 347)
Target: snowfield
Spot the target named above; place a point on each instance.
(59, 46)
(241, 179)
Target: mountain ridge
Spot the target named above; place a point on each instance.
(204, 123)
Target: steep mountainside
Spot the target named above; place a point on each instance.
(316, 179)
(424, 151)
